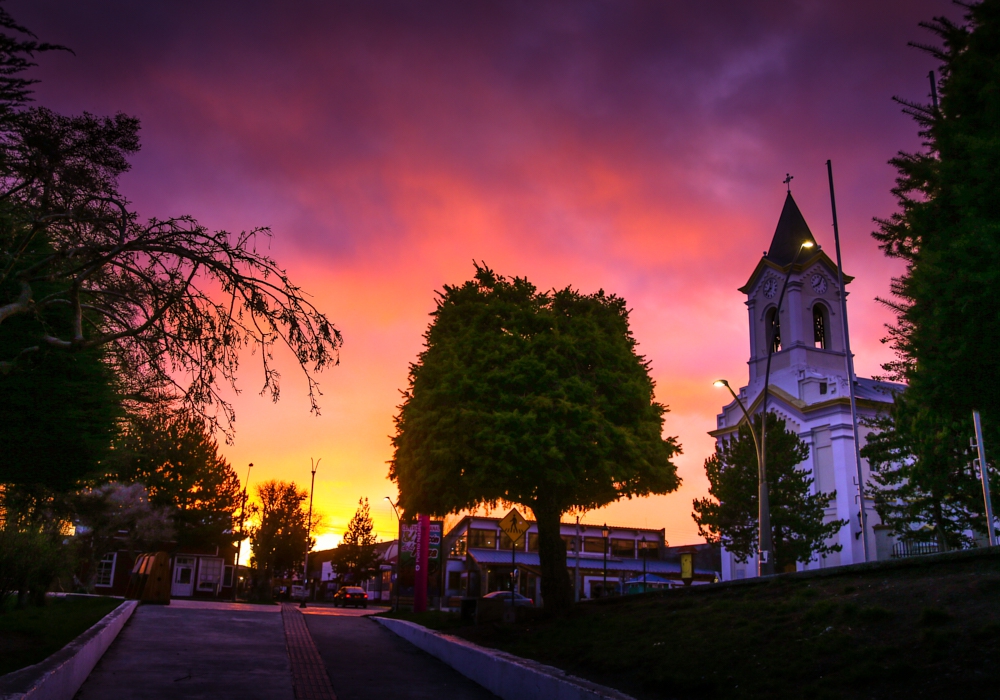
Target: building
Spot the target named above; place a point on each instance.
(480, 558)
(809, 383)
(205, 572)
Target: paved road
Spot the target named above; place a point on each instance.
(367, 662)
(195, 650)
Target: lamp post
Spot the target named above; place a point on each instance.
(753, 432)
(239, 542)
(399, 550)
(643, 563)
(605, 532)
(765, 560)
(305, 564)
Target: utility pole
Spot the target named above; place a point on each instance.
(851, 379)
(239, 542)
(985, 476)
(576, 569)
(305, 564)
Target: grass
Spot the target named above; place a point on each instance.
(928, 631)
(30, 635)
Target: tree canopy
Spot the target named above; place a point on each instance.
(730, 516)
(528, 397)
(356, 554)
(947, 231)
(278, 535)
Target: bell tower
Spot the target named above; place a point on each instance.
(807, 333)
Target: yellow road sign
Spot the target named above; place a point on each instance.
(514, 525)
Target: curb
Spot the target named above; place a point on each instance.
(505, 675)
(61, 675)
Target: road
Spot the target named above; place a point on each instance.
(365, 661)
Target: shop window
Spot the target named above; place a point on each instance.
(106, 570)
(482, 539)
(458, 547)
(593, 544)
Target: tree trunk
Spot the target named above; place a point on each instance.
(557, 592)
(939, 521)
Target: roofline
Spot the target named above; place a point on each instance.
(819, 256)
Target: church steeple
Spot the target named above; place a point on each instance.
(789, 235)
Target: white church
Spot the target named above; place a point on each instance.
(809, 385)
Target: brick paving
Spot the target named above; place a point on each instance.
(309, 677)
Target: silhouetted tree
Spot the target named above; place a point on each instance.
(278, 537)
(356, 554)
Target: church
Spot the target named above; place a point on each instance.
(809, 385)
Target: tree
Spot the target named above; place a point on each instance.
(922, 478)
(729, 516)
(356, 553)
(178, 461)
(534, 398)
(278, 540)
(948, 230)
(171, 304)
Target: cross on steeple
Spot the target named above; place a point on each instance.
(788, 182)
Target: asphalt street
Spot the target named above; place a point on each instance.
(365, 661)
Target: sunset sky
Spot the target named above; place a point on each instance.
(638, 147)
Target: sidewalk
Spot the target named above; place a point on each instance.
(194, 649)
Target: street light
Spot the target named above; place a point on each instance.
(753, 433)
(605, 532)
(239, 542)
(643, 563)
(305, 564)
(399, 551)
(765, 560)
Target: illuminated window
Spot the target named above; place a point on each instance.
(623, 548)
(482, 539)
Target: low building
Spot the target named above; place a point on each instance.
(194, 572)
(480, 559)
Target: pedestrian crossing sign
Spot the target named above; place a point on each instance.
(514, 525)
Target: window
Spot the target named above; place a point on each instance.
(458, 546)
(593, 544)
(821, 323)
(505, 542)
(772, 324)
(482, 539)
(209, 574)
(623, 548)
(822, 389)
(649, 548)
(106, 570)
(533, 543)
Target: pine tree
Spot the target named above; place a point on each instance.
(356, 553)
(729, 517)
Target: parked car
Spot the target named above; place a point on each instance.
(350, 595)
(519, 600)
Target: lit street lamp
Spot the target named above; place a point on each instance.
(305, 564)
(399, 551)
(605, 532)
(765, 560)
(239, 542)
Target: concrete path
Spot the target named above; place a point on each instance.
(196, 650)
(365, 661)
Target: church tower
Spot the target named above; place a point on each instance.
(809, 380)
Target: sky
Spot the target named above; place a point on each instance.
(635, 147)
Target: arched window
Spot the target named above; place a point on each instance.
(772, 325)
(821, 327)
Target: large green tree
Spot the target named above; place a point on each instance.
(178, 462)
(729, 516)
(947, 231)
(534, 398)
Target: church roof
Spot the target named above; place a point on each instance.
(791, 232)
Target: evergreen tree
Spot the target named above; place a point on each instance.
(532, 398)
(922, 478)
(178, 461)
(729, 517)
(356, 553)
(948, 233)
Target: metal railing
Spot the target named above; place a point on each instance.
(912, 548)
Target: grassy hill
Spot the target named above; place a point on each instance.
(923, 627)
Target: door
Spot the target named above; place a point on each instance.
(183, 581)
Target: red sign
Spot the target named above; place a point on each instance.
(422, 563)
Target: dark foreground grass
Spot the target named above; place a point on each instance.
(932, 630)
(30, 635)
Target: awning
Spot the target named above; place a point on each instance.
(633, 567)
